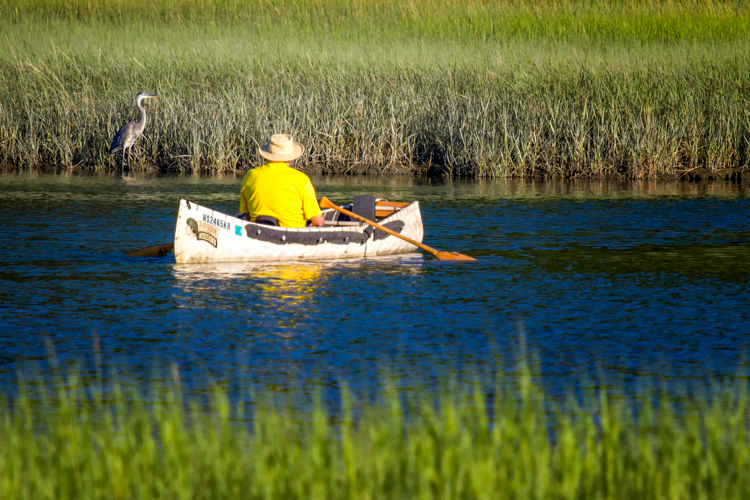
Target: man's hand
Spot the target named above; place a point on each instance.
(318, 221)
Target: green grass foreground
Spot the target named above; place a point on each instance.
(506, 88)
(73, 445)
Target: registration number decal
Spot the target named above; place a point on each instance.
(221, 224)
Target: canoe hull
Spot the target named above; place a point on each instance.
(204, 235)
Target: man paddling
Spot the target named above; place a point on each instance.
(275, 193)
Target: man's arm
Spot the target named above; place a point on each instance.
(310, 206)
(318, 220)
(244, 212)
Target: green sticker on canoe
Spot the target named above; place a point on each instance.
(238, 230)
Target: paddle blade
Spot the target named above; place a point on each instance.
(153, 251)
(452, 256)
(326, 203)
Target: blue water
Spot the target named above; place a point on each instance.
(603, 277)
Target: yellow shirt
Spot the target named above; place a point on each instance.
(279, 191)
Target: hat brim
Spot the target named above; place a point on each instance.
(298, 150)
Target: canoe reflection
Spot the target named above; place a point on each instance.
(294, 271)
(292, 285)
(242, 303)
(284, 285)
(281, 286)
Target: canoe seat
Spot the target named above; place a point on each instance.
(364, 206)
(267, 220)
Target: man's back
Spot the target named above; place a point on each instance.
(277, 190)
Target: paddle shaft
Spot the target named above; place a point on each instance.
(153, 251)
(326, 203)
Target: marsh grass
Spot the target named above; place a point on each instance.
(561, 20)
(638, 89)
(478, 441)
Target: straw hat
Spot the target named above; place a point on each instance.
(281, 147)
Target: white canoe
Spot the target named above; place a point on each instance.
(204, 235)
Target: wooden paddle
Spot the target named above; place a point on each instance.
(153, 251)
(326, 203)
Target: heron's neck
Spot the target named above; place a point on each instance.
(142, 121)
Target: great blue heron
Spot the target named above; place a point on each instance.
(125, 137)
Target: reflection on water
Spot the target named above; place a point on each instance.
(277, 290)
(284, 294)
(286, 274)
(224, 187)
(587, 189)
(630, 278)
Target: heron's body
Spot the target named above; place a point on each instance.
(125, 138)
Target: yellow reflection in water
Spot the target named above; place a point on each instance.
(292, 285)
(284, 284)
(283, 293)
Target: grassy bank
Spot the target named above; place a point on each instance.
(639, 89)
(475, 442)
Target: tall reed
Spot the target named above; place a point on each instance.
(561, 20)
(639, 89)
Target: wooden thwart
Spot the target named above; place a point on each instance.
(443, 255)
(385, 208)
